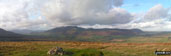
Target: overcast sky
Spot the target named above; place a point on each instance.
(148, 15)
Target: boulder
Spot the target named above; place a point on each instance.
(56, 51)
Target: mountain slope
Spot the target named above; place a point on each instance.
(9, 36)
(73, 30)
(25, 31)
(77, 33)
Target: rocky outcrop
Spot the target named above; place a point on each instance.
(56, 51)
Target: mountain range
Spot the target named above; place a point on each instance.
(72, 33)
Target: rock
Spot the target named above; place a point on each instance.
(56, 51)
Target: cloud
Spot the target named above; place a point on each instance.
(11, 14)
(156, 12)
(156, 18)
(89, 12)
(14, 15)
(25, 13)
(118, 3)
(45, 14)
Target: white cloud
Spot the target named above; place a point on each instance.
(45, 14)
(89, 12)
(24, 14)
(14, 15)
(155, 19)
(156, 12)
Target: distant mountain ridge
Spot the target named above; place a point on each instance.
(25, 31)
(71, 33)
(75, 29)
(84, 34)
(7, 33)
(9, 36)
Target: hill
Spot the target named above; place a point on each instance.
(26, 31)
(9, 36)
(73, 30)
(72, 33)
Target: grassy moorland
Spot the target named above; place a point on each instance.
(133, 46)
(39, 48)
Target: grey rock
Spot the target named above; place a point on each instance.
(56, 51)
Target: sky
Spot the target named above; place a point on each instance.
(147, 15)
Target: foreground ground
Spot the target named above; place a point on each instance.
(109, 49)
